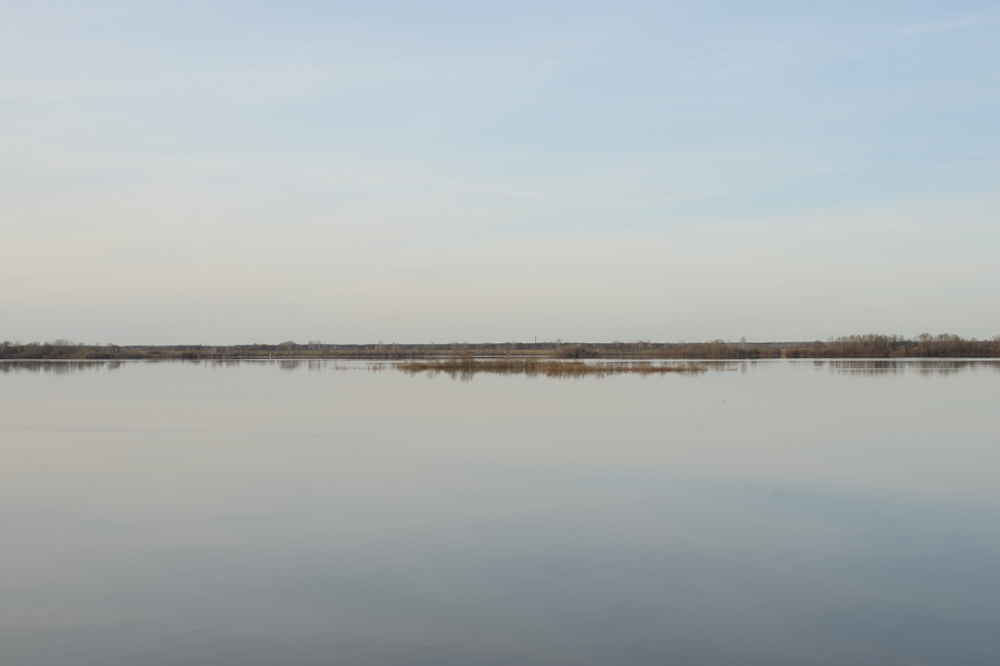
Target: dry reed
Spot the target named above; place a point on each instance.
(466, 367)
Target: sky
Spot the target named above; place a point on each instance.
(237, 172)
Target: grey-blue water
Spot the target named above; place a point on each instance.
(263, 513)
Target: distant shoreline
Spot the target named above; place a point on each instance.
(854, 346)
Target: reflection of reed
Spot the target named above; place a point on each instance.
(466, 367)
(295, 364)
(225, 363)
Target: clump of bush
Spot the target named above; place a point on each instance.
(574, 351)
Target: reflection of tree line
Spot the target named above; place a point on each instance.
(854, 346)
(924, 367)
(58, 368)
(466, 366)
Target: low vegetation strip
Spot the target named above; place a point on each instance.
(468, 366)
(853, 346)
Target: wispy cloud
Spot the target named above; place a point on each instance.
(951, 25)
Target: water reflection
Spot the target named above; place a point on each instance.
(598, 368)
(252, 513)
(922, 366)
(58, 367)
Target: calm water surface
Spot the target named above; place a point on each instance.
(266, 513)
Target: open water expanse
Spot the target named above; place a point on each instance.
(266, 513)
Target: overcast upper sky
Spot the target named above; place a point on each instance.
(227, 172)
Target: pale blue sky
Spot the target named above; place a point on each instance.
(228, 172)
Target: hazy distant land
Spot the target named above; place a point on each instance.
(854, 346)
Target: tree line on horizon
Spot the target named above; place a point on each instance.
(853, 346)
